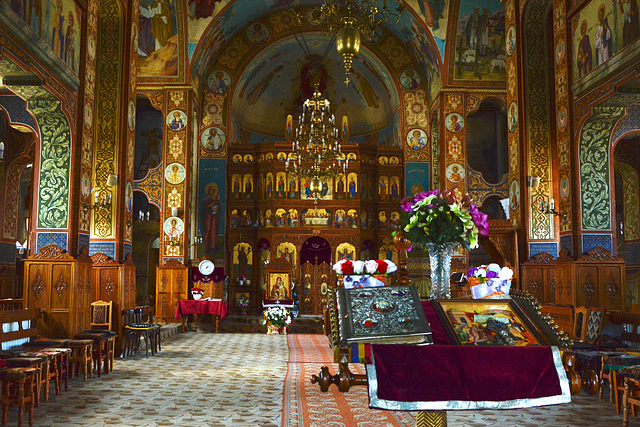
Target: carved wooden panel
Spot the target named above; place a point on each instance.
(172, 286)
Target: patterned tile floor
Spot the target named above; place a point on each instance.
(204, 379)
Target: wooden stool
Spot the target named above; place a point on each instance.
(18, 388)
(62, 365)
(34, 360)
(103, 347)
(80, 358)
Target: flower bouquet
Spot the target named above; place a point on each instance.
(438, 222)
(489, 281)
(275, 318)
(242, 301)
(364, 274)
(197, 293)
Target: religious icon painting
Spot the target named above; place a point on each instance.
(257, 33)
(394, 221)
(128, 197)
(292, 187)
(236, 185)
(293, 218)
(268, 218)
(247, 185)
(242, 261)
(383, 221)
(416, 188)
(260, 158)
(512, 116)
(176, 120)
(410, 79)
(86, 184)
(455, 173)
(454, 122)
(281, 216)
(394, 189)
(375, 36)
(383, 160)
(173, 227)
(351, 157)
(213, 138)
(237, 158)
(561, 49)
(268, 186)
(417, 139)
(514, 195)
(315, 16)
(132, 115)
(219, 81)
(279, 286)
(282, 156)
(383, 188)
(248, 158)
(363, 219)
(287, 251)
(562, 118)
(511, 40)
(345, 251)
(352, 185)
(175, 173)
(281, 185)
(564, 188)
(352, 218)
(269, 157)
(393, 160)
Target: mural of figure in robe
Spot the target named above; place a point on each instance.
(630, 26)
(585, 63)
(57, 38)
(69, 45)
(156, 26)
(603, 38)
(209, 217)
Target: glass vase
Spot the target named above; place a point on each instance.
(440, 260)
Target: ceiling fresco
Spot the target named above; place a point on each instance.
(212, 24)
(280, 77)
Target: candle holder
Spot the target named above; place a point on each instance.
(550, 209)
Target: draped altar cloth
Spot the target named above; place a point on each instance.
(445, 377)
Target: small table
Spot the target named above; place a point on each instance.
(218, 309)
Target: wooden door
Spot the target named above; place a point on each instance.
(315, 283)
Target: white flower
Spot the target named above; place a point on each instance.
(505, 273)
(391, 267)
(338, 266)
(493, 267)
(481, 272)
(370, 266)
(358, 267)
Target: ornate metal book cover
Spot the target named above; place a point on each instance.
(388, 315)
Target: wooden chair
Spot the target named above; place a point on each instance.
(134, 330)
(101, 312)
(580, 323)
(80, 359)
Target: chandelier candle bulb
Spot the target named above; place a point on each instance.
(553, 204)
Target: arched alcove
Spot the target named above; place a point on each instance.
(487, 150)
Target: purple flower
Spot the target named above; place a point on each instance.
(424, 194)
(407, 204)
(491, 274)
(481, 220)
(472, 271)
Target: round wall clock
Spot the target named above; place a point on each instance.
(206, 267)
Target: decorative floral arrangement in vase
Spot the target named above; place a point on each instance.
(242, 301)
(197, 293)
(438, 222)
(489, 281)
(275, 319)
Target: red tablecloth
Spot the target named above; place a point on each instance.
(218, 308)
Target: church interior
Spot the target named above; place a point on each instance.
(142, 168)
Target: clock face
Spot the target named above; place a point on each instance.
(206, 267)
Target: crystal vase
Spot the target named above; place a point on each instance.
(440, 260)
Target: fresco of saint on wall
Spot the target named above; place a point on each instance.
(158, 45)
(602, 29)
(480, 53)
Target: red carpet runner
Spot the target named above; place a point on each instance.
(305, 405)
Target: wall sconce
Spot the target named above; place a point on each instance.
(550, 209)
(174, 211)
(112, 180)
(533, 181)
(196, 241)
(103, 202)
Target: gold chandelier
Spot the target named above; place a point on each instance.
(356, 17)
(316, 152)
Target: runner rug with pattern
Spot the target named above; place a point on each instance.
(305, 405)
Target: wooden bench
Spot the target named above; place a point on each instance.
(19, 317)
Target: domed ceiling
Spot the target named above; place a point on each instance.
(278, 80)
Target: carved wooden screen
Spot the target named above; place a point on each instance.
(315, 281)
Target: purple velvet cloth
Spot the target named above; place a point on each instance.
(443, 373)
(217, 275)
(447, 373)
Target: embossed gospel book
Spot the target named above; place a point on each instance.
(386, 315)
